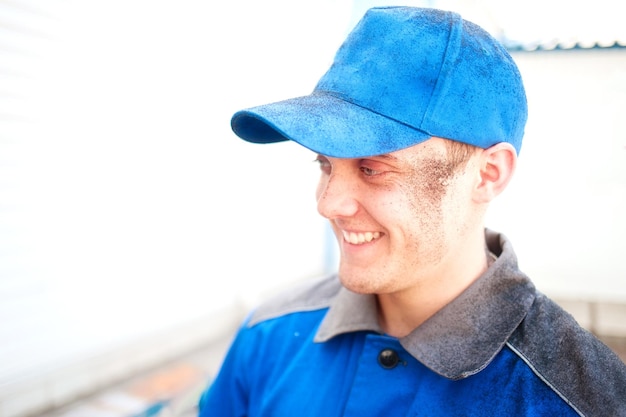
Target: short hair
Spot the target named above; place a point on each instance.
(459, 153)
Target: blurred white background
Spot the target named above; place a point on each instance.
(128, 208)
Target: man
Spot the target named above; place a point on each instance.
(417, 126)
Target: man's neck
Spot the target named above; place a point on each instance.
(401, 312)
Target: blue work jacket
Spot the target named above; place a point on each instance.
(499, 349)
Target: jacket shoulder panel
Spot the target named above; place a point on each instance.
(573, 362)
(311, 295)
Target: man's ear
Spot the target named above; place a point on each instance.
(497, 165)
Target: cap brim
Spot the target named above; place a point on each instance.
(326, 125)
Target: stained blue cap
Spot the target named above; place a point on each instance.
(402, 75)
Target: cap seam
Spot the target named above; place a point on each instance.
(338, 97)
(453, 35)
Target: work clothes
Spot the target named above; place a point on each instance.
(501, 348)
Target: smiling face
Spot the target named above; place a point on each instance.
(402, 218)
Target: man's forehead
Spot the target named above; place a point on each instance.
(428, 148)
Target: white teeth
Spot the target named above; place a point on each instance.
(360, 238)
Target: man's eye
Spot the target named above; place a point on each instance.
(323, 163)
(369, 171)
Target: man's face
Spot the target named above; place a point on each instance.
(399, 218)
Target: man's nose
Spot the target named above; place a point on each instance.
(337, 196)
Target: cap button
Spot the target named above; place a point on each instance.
(388, 358)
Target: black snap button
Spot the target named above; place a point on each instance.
(388, 358)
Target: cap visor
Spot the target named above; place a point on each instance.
(326, 125)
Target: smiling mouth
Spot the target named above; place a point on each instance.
(360, 238)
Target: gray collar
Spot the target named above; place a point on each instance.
(464, 336)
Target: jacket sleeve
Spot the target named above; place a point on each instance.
(228, 394)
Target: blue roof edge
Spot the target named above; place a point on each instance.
(560, 46)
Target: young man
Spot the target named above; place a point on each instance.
(417, 126)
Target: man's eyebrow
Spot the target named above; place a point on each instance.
(386, 156)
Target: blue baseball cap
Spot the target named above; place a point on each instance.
(402, 75)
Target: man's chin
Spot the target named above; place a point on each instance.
(360, 283)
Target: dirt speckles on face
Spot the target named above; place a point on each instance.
(430, 180)
(431, 176)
